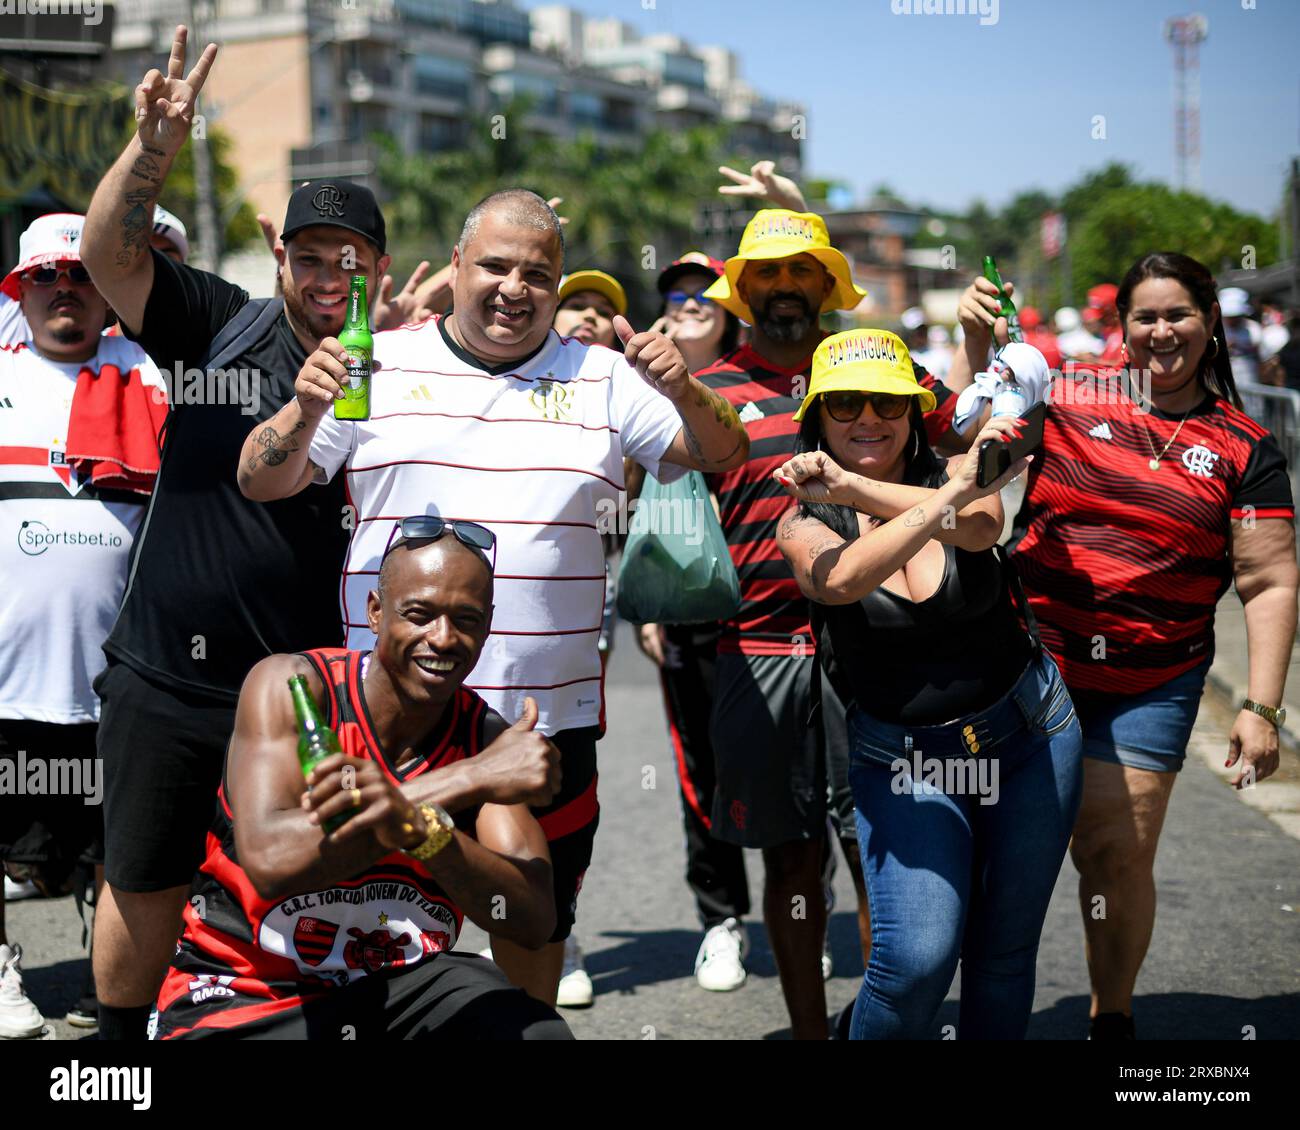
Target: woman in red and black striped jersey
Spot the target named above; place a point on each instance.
(964, 749)
(1153, 492)
(295, 933)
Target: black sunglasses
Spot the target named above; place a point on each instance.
(845, 407)
(48, 276)
(429, 527)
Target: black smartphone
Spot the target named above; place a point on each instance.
(995, 456)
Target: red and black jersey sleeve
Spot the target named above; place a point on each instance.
(938, 421)
(1265, 488)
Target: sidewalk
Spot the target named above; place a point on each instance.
(1278, 797)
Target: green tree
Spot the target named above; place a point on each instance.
(1128, 222)
(179, 196)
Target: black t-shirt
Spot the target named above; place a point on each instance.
(925, 663)
(217, 582)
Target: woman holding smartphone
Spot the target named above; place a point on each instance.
(1152, 493)
(964, 747)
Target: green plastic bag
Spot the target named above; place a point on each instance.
(676, 566)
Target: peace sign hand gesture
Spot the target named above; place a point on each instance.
(164, 104)
(765, 183)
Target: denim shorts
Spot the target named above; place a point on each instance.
(1144, 731)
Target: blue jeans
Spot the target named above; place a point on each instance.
(962, 829)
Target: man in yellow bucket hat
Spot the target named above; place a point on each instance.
(774, 774)
(785, 274)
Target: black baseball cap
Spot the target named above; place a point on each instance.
(337, 203)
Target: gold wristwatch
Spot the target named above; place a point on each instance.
(440, 825)
(1274, 714)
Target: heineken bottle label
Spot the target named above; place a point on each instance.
(358, 370)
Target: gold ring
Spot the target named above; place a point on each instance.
(356, 798)
(407, 829)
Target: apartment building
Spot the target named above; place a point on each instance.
(302, 85)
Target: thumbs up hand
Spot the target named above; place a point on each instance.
(655, 357)
(521, 766)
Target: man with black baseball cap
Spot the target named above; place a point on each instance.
(217, 583)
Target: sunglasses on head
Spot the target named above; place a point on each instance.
(48, 276)
(679, 297)
(845, 407)
(429, 527)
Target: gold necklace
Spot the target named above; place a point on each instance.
(1154, 462)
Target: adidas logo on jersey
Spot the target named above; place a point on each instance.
(5, 402)
(750, 413)
(420, 392)
(1101, 431)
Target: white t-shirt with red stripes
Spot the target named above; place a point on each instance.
(536, 455)
(63, 543)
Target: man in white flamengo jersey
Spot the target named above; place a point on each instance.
(487, 414)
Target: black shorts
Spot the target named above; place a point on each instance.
(833, 725)
(51, 810)
(163, 753)
(570, 821)
(772, 784)
(454, 996)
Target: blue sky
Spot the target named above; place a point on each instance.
(946, 110)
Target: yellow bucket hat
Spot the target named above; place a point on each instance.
(606, 285)
(864, 361)
(776, 233)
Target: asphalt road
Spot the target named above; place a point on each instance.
(1225, 956)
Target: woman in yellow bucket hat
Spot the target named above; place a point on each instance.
(964, 745)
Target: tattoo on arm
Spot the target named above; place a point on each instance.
(790, 525)
(723, 412)
(136, 222)
(915, 517)
(693, 447)
(814, 552)
(147, 168)
(696, 451)
(276, 447)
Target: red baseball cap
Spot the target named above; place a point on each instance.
(1030, 319)
(690, 261)
(1103, 296)
(1092, 313)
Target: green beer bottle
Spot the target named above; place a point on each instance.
(359, 344)
(1008, 310)
(316, 741)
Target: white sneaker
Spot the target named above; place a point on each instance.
(719, 966)
(15, 892)
(576, 990)
(19, 1018)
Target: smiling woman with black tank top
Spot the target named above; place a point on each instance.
(965, 750)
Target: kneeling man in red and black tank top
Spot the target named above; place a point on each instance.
(295, 933)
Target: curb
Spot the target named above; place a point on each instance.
(1279, 800)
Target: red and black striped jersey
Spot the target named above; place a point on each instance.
(1123, 564)
(242, 957)
(773, 618)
